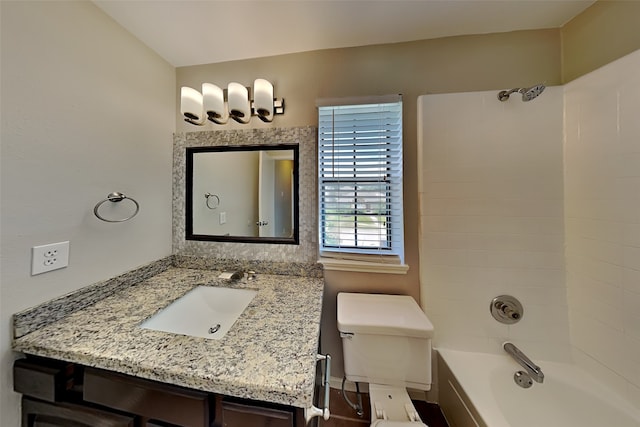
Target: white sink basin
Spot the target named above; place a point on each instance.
(205, 311)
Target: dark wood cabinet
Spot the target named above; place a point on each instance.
(237, 414)
(163, 402)
(37, 413)
(59, 394)
(45, 379)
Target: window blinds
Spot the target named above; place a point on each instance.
(360, 178)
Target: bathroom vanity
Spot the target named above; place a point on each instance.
(98, 367)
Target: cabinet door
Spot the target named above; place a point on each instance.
(43, 379)
(36, 413)
(153, 400)
(236, 414)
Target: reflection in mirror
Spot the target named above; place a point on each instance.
(242, 193)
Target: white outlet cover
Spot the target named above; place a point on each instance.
(49, 257)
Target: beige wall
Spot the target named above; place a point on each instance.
(493, 61)
(604, 32)
(86, 110)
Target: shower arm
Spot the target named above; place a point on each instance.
(504, 95)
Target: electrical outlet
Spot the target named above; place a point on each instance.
(223, 218)
(49, 257)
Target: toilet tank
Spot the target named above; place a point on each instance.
(386, 339)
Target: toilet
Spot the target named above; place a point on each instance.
(386, 342)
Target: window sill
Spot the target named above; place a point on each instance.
(332, 264)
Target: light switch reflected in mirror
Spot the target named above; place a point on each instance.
(242, 193)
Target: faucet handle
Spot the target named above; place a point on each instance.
(237, 275)
(506, 309)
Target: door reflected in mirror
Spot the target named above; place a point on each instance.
(242, 193)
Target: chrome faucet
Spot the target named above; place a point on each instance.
(533, 369)
(239, 275)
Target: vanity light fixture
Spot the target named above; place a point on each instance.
(239, 104)
(218, 105)
(191, 106)
(214, 105)
(263, 99)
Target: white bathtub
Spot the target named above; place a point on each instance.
(477, 389)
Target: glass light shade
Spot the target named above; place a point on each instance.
(191, 105)
(263, 99)
(239, 106)
(214, 106)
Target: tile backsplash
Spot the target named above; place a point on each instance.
(306, 251)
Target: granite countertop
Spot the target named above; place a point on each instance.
(269, 354)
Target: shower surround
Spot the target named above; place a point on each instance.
(539, 200)
(491, 198)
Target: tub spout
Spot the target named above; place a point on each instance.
(533, 369)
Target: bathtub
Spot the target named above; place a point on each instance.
(477, 390)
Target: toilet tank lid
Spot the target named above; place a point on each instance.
(382, 314)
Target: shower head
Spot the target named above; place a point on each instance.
(528, 93)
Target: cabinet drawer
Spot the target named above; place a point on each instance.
(243, 414)
(36, 413)
(43, 379)
(172, 404)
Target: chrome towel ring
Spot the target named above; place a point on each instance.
(115, 197)
(216, 200)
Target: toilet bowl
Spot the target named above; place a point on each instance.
(391, 406)
(386, 341)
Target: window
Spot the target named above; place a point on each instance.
(360, 181)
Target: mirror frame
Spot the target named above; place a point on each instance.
(189, 235)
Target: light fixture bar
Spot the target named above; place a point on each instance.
(218, 105)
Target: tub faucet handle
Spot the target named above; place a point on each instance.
(506, 309)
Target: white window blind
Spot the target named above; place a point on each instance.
(360, 179)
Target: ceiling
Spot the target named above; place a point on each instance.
(191, 32)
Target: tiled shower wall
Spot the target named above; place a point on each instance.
(491, 199)
(602, 204)
(506, 207)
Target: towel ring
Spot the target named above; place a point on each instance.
(209, 196)
(115, 197)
